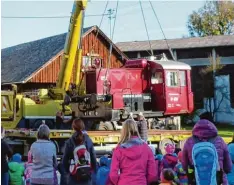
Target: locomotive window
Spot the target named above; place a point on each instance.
(182, 78)
(156, 78)
(172, 79)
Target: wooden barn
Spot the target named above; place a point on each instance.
(36, 64)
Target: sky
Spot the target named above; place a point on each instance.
(173, 16)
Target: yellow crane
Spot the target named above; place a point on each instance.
(17, 108)
(72, 47)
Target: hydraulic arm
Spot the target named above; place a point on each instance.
(72, 46)
(71, 49)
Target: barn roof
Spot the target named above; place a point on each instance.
(21, 61)
(182, 43)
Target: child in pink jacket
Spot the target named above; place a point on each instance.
(133, 161)
(28, 169)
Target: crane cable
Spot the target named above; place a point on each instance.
(146, 29)
(93, 46)
(169, 48)
(111, 43)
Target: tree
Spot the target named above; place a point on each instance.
(214, 18)
(209, 75)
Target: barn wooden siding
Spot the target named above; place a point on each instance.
(49, 72)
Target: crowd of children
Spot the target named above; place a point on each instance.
(172, 166)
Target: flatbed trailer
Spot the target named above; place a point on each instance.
(104, 141)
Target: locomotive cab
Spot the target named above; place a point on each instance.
(170, 87)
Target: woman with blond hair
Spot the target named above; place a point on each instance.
(133, 161)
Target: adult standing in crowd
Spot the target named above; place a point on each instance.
(6, 152)
(204, 130)
(142, 126)
(78, 138)
(133, 161)
(67, 100)
(44, 158)
(59, 120)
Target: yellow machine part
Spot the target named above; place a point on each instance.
(7, 105)
(106, 137)
(16, 114)
(29, 109)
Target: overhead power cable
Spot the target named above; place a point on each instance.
(100, 23)
(152, 54)
(112, 36)
(47, 17)
(67, 16)
(169, 48)
(93, 46)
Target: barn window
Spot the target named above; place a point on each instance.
(156, 78)
(172, 79)
(182, 78)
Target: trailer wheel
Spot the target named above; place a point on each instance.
(105, 126)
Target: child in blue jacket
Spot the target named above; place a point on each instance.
(103, 171)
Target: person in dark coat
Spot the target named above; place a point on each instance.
(142, 126)
(59, 120)
(77, 138)
(6, 152)
(67, 100)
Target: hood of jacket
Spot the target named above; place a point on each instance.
(204, 129)
(13, 166)
(104, 161)
(231, 151)
(17, 158)
(131, 148)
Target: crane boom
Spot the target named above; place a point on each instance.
(72, 46)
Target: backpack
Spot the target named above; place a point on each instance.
(205, 160)
(80, 167)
